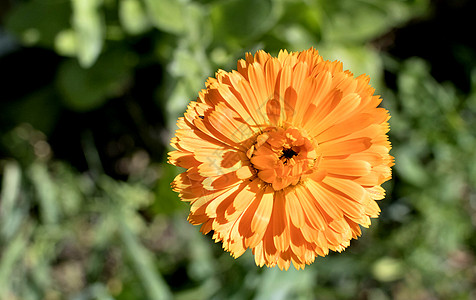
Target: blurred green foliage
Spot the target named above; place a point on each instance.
(86, 209)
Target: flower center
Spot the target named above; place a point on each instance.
(288, 153)
(282, 157)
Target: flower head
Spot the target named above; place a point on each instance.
(284, 156)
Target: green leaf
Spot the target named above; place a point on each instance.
(167, 15)
(86, 89)
(357, 21)
(66, 43)
(96, 291)
(9, 196)
(33, 108)
(142, 262)
(177, 102)
(306, 15)
(88, 24)
(297, 36)
(46, 191)
(387, 269)
(244, 19)
(28, 21)
(409, 167)
(69, 189)
(292, 284)
(199, 30)
(133, 17)
(359, 60)
(166, 200)
(12, 254)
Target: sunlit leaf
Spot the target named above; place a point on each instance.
(10, 191)
(167, 15)
(88, 24)
(361, 60)
(133, 17)
(387, 269)
(66, 43)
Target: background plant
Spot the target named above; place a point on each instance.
(90, 93)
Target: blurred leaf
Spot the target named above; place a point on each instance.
(43, 249)
(133, 17)
(12, 253)
(153, 283)
(97, 291)
(357, 21)
(244, 19)
(18, 143)
(387, 269)
(306, 14)
(33, 108)
(184, 63)
(198, 26)
(28, 21)
(204, 291)
(188, 71)
(69, 189)
(202, 265)
(297, 36)
(66, 42)
(131, 196)
(433, 164)
(127, 199)
(112, 236)
(177, 102)
(87, 89)
(10, 187)
(292, 284)
(46, 191)
(167, 15)
(409, 167)
(166, 200)
(88, 25)
(11, 184)
(359, 60)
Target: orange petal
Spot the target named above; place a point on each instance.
(323, 198)
(294, 209)
(309, 205)
(345, 167)
(345, 147)
(280, 222)
(263, 212)
(347, 188)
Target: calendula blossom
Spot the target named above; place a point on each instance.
(285, 156)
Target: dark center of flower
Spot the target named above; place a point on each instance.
(281, 157)
(288, 153)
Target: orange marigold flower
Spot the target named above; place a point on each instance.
(284, 156)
